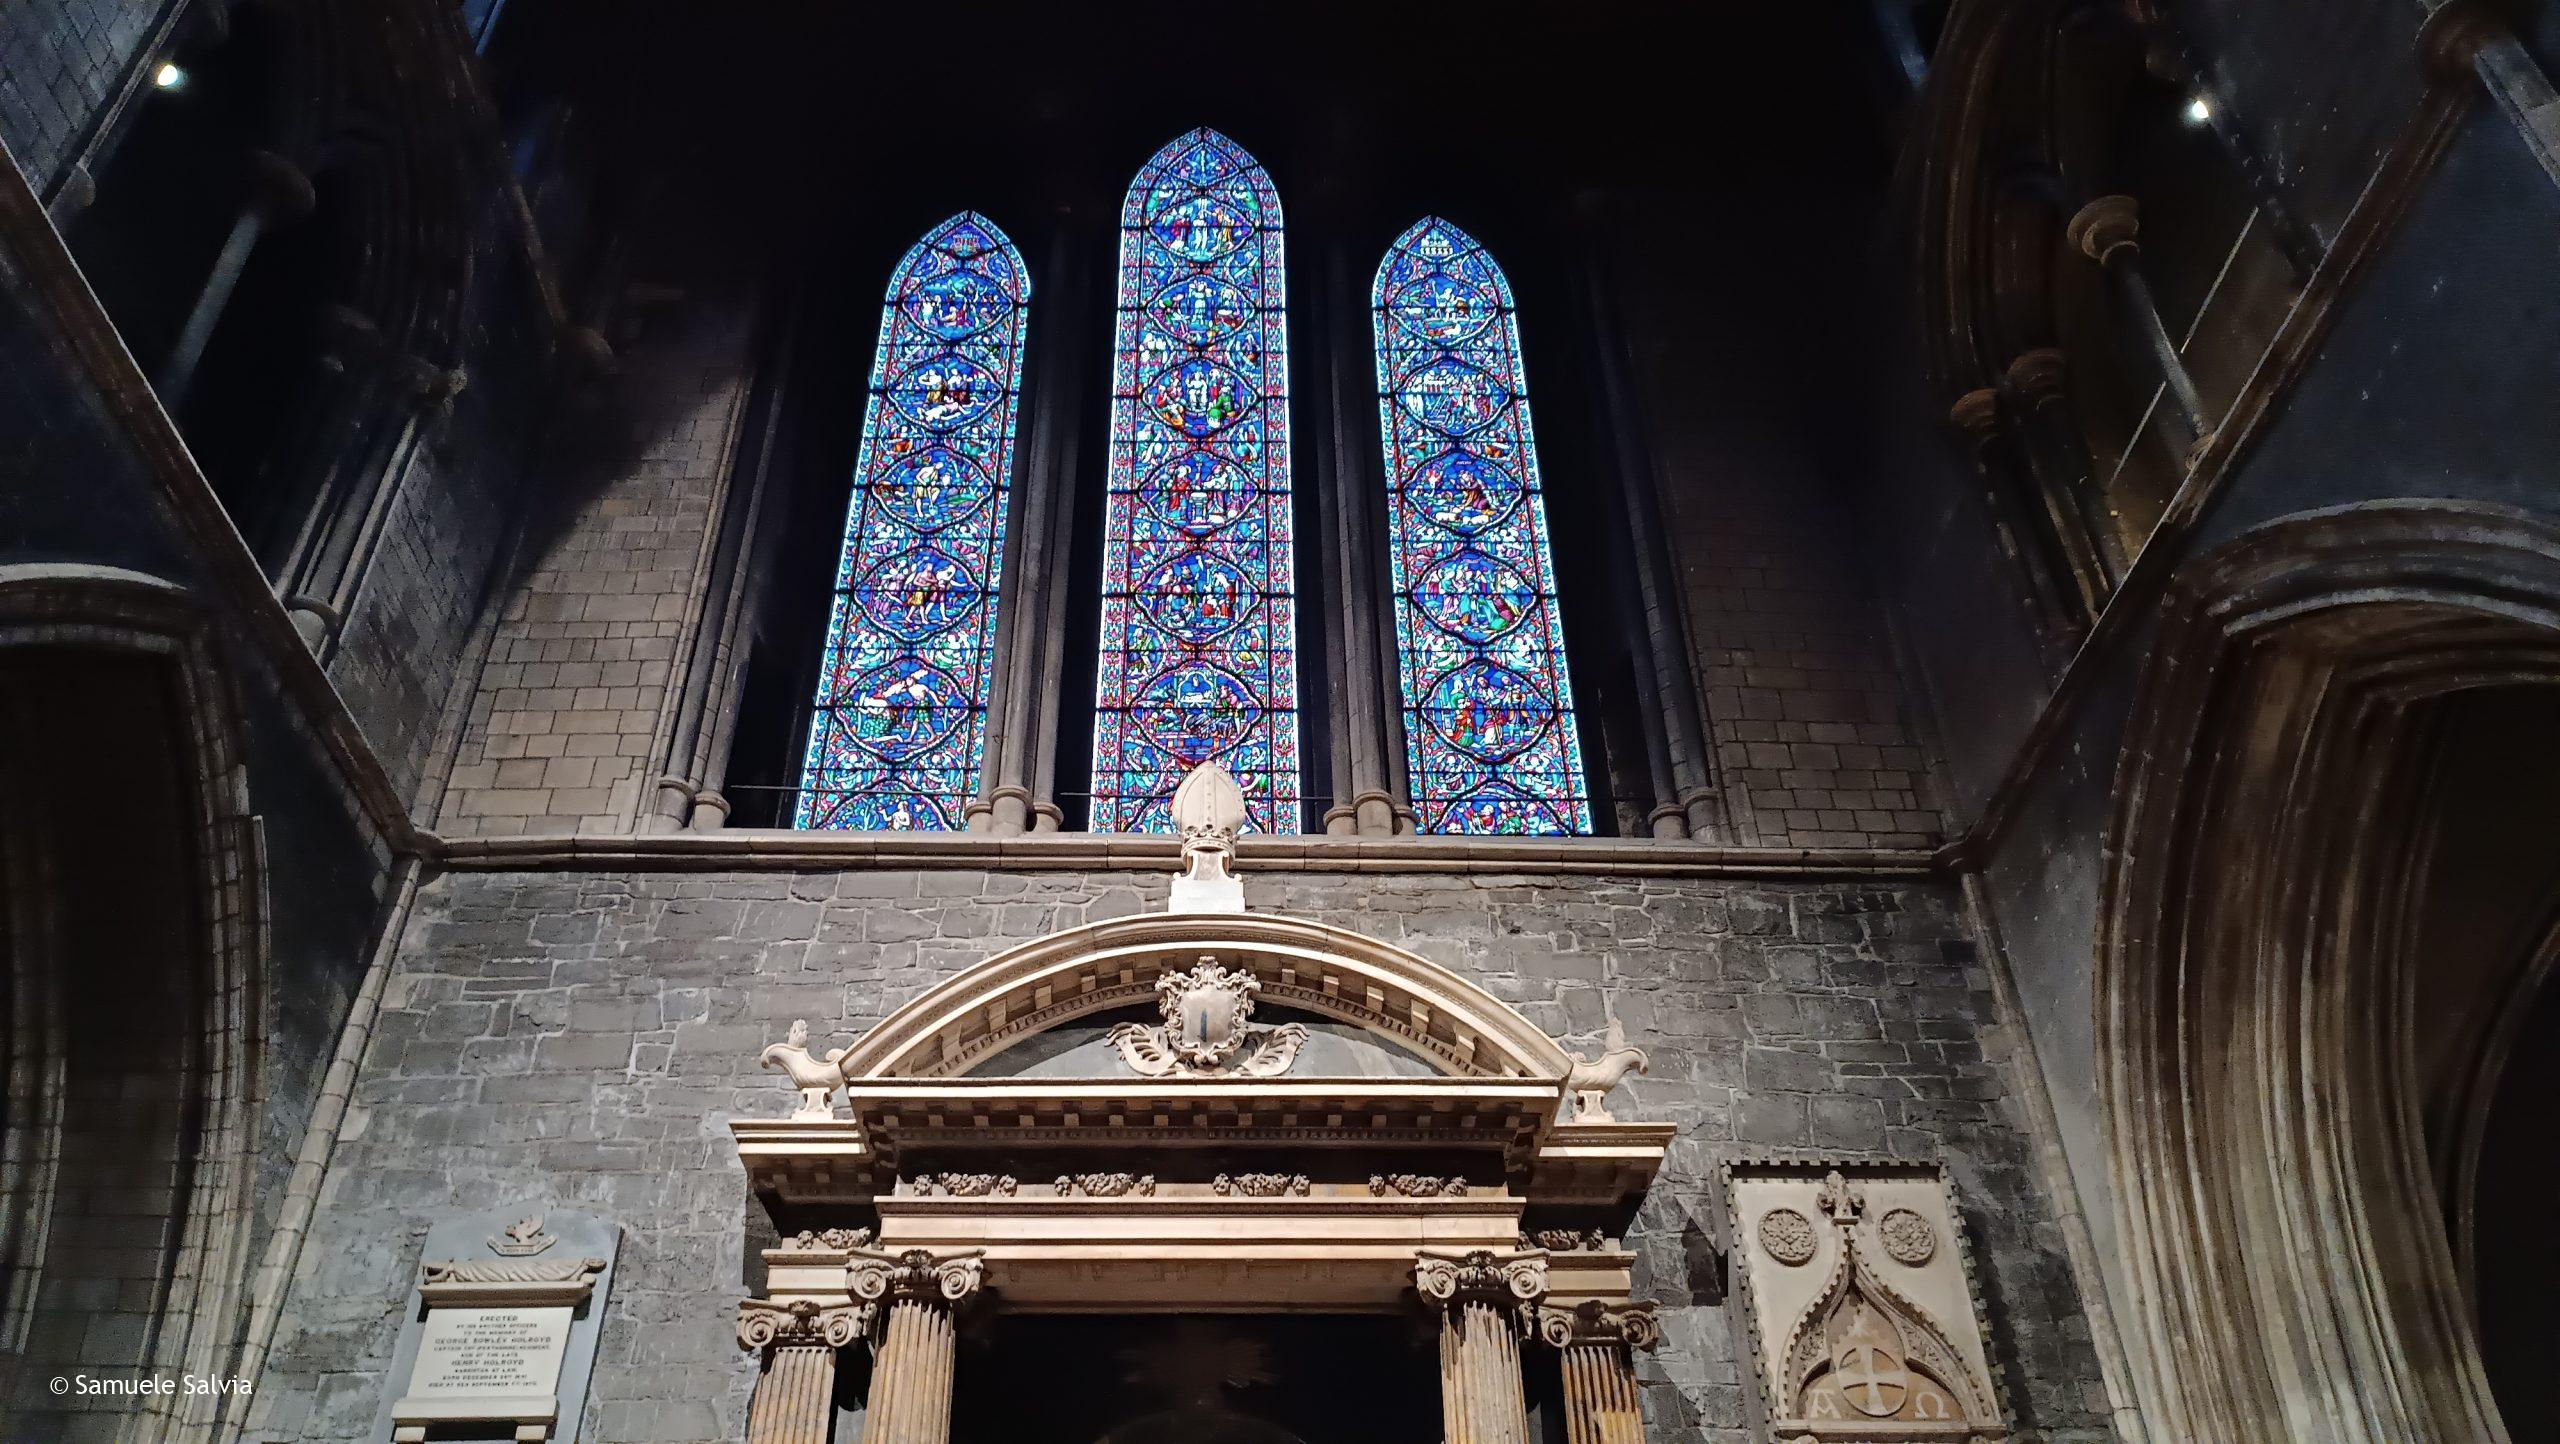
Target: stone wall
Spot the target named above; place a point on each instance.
(61, 62)
(582, 1040)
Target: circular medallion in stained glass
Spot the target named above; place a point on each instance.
(1474, 597)
(1498, 810)
(932, 489)
(956, 304)
(946, 391)
(918, 593)
(902, 708)
(1198, 227)
(1196, 597)
(1463, 492)
(1201, 309)
(1197, 492)
(1452, 397)
(1442, 309)
(1200, 397)
(1194, 711)
(1487, 710)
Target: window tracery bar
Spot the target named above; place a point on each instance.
(1490, 738)
(898, 730)
(1198, 644)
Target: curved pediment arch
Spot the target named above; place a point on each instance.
(1407, 1000)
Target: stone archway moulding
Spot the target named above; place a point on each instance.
(1422, 1007)
(2289, 1274)
(116, 611)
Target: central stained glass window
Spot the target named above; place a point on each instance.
(1199, 656)
(899, 728)
(1490, 744)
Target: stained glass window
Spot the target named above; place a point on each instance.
(1198, 656)
(900, 721)
(1490, 744)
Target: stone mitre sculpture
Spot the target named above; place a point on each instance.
(1592, 1078)
(1208, 812)
(816, 1077)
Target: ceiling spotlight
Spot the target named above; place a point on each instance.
(2199, 110)
(169, 77)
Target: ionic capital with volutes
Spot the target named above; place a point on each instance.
(914, 1275)
(1599, 1321)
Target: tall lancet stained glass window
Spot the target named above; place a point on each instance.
(900, 722)
(1198, 656)
(1490, 744)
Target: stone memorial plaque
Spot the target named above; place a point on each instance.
(466, 1352)
(501, 1335)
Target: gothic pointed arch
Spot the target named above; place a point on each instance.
(1199, 623)
(1489, 730)
(898, 727)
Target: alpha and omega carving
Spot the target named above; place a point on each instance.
(1865, 1327)
(1208, 1030)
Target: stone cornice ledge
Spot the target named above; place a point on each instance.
(782, 850)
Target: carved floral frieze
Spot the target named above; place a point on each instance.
(1417, 1185)
(1105, 1185)
(1261, 1185)
(960, 1185)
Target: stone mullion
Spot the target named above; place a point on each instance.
(1369, 676)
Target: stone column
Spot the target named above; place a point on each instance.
(2108, 231)
(1485, 1300)
(2036, 382)
(1978, 415)
(914, 1340)
(1376, 803)
(278, 193)
(794, 1402)
(1596, 1342)
(1021, 772)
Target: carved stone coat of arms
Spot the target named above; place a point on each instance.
(1208, 1030)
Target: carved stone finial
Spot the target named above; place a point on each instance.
(1208, 812)
(915, 1274)
(815, 1077)
(762, 1322)
(1592, 1078)
(1840, 1198)
(1208, 1030)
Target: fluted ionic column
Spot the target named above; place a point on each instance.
(1596, 1342)
(1485, 1302)
(795, 1398)
(914, 1340)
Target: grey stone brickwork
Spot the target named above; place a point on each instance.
(569, 706)
(584, 1038)
(61, 63)
(1814, 738)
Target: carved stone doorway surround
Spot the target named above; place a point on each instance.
(1470, 1187)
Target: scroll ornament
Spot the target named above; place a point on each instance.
(1592, 1078)
(816, 1077)
(1208, 1030)
(1597, 1321)
(762, 1323)
(915, 1274)
(1512, 1282)
(507, 1271)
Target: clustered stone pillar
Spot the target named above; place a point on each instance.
(1596, 1343)
(795, 1397)
(279, 193)
(1484, 1299)
(2108, 231)
(915, 1341)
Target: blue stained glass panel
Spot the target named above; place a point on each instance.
(899, 726)
(1490, 741)
(1198, 655)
